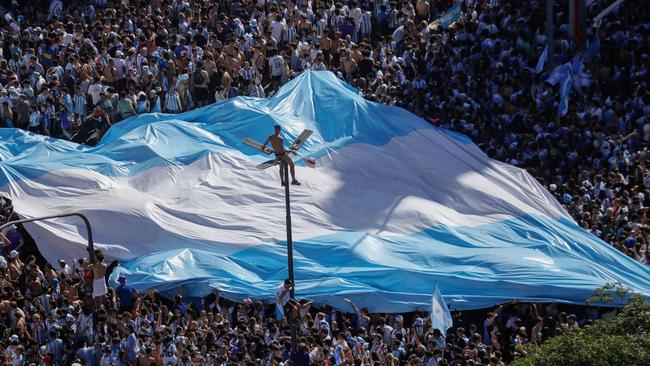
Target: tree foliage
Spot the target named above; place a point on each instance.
(622, 340)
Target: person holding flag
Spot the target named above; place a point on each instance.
(282, 297)
(440, 315)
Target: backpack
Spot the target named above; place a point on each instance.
(198, 77)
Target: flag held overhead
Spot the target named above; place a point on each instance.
(440, 315)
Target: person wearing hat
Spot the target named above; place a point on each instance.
(155, 100)
(142, 104)
(64, 269)
(572, 322)
(11, 239)
(15, 265)
(125, 294)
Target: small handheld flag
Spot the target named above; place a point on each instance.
(440, 315)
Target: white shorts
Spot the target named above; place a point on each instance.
(99, 287)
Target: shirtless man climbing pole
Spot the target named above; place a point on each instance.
(282, 155)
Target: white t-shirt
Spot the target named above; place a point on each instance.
(276, 63)
(276, 30)
(399, 33)
(318, 66)
(283, 295)
(94, 90)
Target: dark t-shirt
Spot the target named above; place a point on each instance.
(181, 51)
(200, 40)
(22, 111)
(14, 237)
(300, 359)
(365, 66)
(125, 294)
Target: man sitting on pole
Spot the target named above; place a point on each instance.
(282, 155)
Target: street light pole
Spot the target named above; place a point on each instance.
(284, 164)
(287, 199)
(89, 230)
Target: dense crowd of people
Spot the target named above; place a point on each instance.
(71, 69)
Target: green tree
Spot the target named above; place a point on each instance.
(622, 340)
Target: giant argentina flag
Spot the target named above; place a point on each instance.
(394, 206)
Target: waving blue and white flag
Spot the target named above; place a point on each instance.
(542, 61)
(565, 89)
(440, 315)
(559, 73)
(450, 16)
(177, 200)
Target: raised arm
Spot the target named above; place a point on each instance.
(4, 239)
(159, 320)
(534, 311)
(356, 310)
(266, 142)
(306, 305)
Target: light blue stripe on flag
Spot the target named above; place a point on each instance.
(450, 16)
